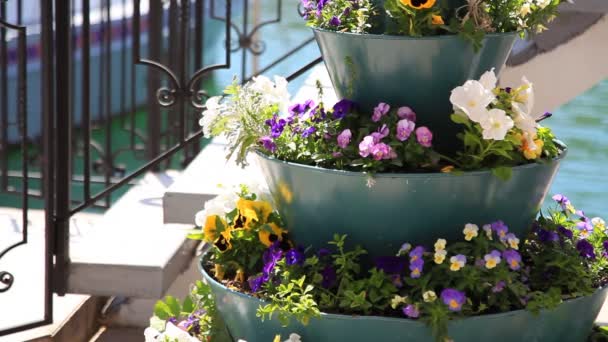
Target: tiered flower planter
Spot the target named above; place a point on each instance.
(571, 321)
(400, 207)
(405, 71)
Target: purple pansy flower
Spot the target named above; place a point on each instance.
(307, 132)
(453, 298)
(268, 143)
(406, 113)
(513, 259)
(390, 264)
(411, 311)
(563, 201)
(380, 110)
(499, 287)
(329, 277)
(424, 136)
(276, 126)
(501, 229)
(335, 21)
(301, 108)
(342, 107)
(382, 133)
(396, 280)
(416, 267)
(344, 138)
(270, 258)
(323, 252)
(547, 235)
(320, 6)
(405, 128)
(295, 256)
(565, 232)
(365, 146)
(255, 283)
(584, 225)
(585, 249)
(416, 253)
(382, 151)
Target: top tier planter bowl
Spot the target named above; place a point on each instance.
(416, 72)
(316, 203)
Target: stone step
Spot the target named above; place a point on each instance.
(74, 320)
(130, 252)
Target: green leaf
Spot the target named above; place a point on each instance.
(187, 306)
(502, 172)
(162, 310)
(459, 119)
(174, 306)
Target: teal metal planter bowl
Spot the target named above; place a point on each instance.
(315, 203)
(571, 321)
(415, 72)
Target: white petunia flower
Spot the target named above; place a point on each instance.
(525, 9)
(210, 115)
(543, 3)
(525, 95)
(598, 222)
(273, 92)
(496, 124)
(472, 98)
(523, 120)
(489, 80)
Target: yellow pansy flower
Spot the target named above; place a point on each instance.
(210, 229)
(440, 244)
(268, 238)
(440, 256)
(254, 210)
(437, 20)
(470, 231)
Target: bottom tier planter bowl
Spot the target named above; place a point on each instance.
(316, 203)
(571, 321)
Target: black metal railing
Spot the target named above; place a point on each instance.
(103, 83)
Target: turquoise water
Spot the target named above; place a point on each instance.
(583, 125)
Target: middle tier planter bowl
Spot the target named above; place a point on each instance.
(571, 321)
(416, 72)
(315, 203)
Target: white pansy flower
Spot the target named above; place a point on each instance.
(488, 229)
(496, 124)
(397, 300)
(598, 222)
(489, 80)
(211, 113)
(440, 256)
(429, 296)
(472, 98)
(440, 244)
(470, 231)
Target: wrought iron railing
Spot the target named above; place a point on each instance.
(95, 70)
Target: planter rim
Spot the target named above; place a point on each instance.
(324, 315)
(562, 155)
(401, 37)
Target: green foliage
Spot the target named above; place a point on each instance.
(356, 17)
(291, 300)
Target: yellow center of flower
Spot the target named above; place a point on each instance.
(454, 304)
(416, 272)
(413, 258)
(490, 263)
(472, 103)
(439, 258)
(514, 263)
(455, 266)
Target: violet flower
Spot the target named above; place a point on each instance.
(563, 201)
(424, 136)
(501, 229)
(268, 144)
(390, 264)
(513, 259)
(453, 298)
(342, 107)
(406, 113)
(416, 268)
(380, 110)
(382, 151)
(499, 287)
(295, 256)
(585, 249)
(365, 146)
(329, 277)
(547, 235)
(567, 233)
(405, 128)
(276, 126)
(308, 132)
(344, 138)
(411, 311)
(335, 21)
